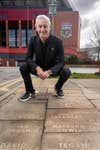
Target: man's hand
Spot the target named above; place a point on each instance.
(43, 74)
(47, 73)
(40, 72)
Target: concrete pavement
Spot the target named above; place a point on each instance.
(48, 123)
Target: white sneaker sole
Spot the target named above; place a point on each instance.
(60, 97)
(25, 100)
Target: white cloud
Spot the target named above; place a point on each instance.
(88, 22)
(85, 37)
(89, 13)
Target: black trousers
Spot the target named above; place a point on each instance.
(26, 70)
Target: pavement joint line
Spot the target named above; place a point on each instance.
(20, 120)
(45, 116)
(72, 132)
(81, 87)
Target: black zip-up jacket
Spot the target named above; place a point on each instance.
(54, 54)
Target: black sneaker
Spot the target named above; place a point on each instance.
(27, 96)
(59, 93)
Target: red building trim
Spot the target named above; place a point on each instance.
(21, 14)
(13, 50)
(19, 51)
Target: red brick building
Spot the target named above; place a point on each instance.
(17, 19)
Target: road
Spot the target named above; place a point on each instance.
(84, 70)
(9, 73)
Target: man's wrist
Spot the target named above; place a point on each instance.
(50, 72)
(38, 68)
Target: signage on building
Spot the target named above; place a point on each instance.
(66, 30)
(3, 16)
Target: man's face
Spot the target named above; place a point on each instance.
(43, 29)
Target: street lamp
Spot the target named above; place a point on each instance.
(52, 12)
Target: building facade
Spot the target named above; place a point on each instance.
(17, 20)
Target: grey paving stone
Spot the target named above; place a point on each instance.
(92, 96)
(90, 87)
(88, 83)
(20, 135)
(72, 141)
(72, 120)
(68, 91)
(41, 94)
(96, 103)
(69, 102)
(73, 91)
(70, 84)
(71, 124)
(16, 110)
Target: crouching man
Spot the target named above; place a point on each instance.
(45, 58)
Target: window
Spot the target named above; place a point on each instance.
(26, 36)
(12, 38)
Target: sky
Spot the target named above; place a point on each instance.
(89, 15)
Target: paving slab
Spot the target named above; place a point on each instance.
(44, 83)
(72, 123)
(72, 141)
(92, 96)
(87, 83)
(71, 85)
(69, 101)
(72, 120)
(67, 92)
(41, 95)
(20, 135)
(96, 103)
(72, 91)
(16, 110)
(90, 87)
